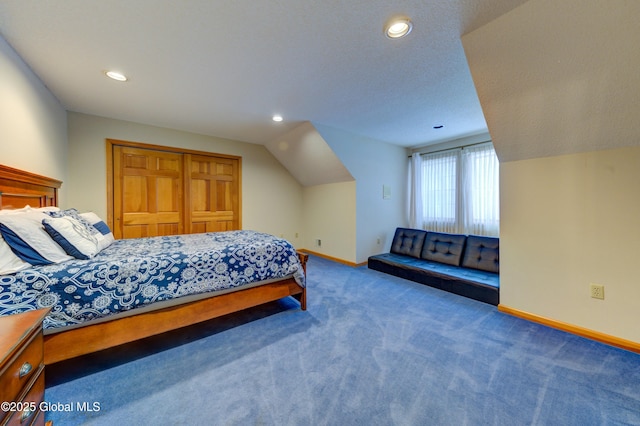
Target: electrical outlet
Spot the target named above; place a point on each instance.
(319, 242)
(597, 291)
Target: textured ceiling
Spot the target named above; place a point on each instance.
(224, 68)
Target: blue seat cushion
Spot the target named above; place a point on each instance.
(475, 284)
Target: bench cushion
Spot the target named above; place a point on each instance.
(408, 242)
(482, 253)
(471, 283)
(443, 248)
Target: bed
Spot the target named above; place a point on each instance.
(137, 288)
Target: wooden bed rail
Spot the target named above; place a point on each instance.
(91, 338)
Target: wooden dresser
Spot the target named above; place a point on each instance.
(22, 368)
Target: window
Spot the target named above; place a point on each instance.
(456, 191)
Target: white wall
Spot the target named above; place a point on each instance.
(373, 164)
(569, 221)
(271, 197)
(330, 216)
(33, 124)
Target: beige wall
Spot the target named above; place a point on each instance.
(330, 215)
(559, 85)
(271, 198)
(569, 221)
(33, 124)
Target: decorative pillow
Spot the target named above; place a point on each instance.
(27, 238)
(72, 236)
(9, 262)
(99, 224)
(73, 213)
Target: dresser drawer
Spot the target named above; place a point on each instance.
(30, 404)
(22, 369)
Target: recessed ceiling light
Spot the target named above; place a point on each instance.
(398, 27)
(277, 118)
(116, 76)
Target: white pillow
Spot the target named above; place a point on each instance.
(107, 236)
(9, 262)
(29, 209)
(46, 209)
(15, 211)
(25, 234)
(72, 236)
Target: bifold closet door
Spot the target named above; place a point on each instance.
(212, 193)
(147, 192)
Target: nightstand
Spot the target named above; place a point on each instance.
(22, 368)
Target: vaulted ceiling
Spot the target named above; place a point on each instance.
(223, 68)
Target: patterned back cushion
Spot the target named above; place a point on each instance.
(443, 248)
(408, 242)
(482, 253)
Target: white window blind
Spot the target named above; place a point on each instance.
(456, 191)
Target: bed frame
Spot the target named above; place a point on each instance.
(19, 188)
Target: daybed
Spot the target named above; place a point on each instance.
(460, 264)
(136, 288)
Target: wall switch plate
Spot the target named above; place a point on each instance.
(597, 291)
(386, 192)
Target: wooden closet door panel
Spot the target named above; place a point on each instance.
(213, 188)
(147, 192)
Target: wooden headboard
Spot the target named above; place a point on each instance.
(19, 189)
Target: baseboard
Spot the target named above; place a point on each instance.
(335, 259)
(573, 329)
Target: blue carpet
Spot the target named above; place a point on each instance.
(372, 349)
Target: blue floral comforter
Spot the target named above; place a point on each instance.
(136, 272)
